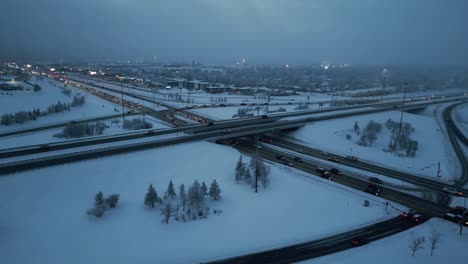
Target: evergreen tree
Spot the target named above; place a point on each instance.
(182, 196)
(204, 189)
(151, 197)
(113, 200)
(356, 127)
(196, 197)
(99, 200)
(248, 176)
(215, 191)
(240, 170)
(170, 191)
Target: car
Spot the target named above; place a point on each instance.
(373, 189)
(461, 209)
(333, 159)
(264, 117)
(406, 215)
(210, 124)
(288, 163)
(43, 146)
(351, 158)
(323, 153)
(226, 131)
(297, 159)
(326, 176)
(149, 132)
(359, 241)
(335, 171)
(321, 170)
(376, 180)
(243, 104)
(280, 157)
(417, 218)
(266, 139)
(234, 142)
(452, 191)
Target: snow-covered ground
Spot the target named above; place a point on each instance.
(50, 94)
(46, 220)
(223, 113)
(330, 136)
(461, 118)
(47, 136)
(395, 249)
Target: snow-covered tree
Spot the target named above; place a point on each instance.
(170, 191)
(151, 197)
(248, 177)
(182, 196)
(99, 199)
(167, 211)
(356, 127)
(434, 238)
(113, 200)
(215, 191)
(96, 211)
(416, 243)
(204, 189)
(196, 197)
(240, 170)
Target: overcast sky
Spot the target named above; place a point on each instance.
(223, 31)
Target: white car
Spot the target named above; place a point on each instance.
(452, 191)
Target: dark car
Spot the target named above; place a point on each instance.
(376, 180)
(297, 159)
(234, 142)
(335, 171)
(333, 159)
(322, 170)
(280, 157)
(351, 158)
(264, 117)
(243, 104)
(210, 124)
(288, 163)
(417, 218)
(373, 189)
(327, 176)
(406, 215)
(359, 241)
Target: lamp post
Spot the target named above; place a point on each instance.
(256, 151)
(122, 98)
(402, 108)
(462, 220)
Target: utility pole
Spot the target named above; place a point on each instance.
(123, 110)
(462, 220)
(402, 108)
(256, 152)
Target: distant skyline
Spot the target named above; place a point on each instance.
(213, 31)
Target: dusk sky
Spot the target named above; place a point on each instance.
(216, 31)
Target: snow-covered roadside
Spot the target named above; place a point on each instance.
(53, 202)
(47, 136)
(460, 118)
(330, 136)
(395, 249)
(51, 94)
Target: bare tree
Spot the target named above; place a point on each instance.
(167, 211)
(416, 243)
(434, 238)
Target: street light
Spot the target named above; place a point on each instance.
(123, 110)
(402, 108)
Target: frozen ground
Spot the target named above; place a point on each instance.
(47, 136)
(223, 113)
(50, 94)
(461, 118)
(330, 136)
(46, 220)
(395, 249)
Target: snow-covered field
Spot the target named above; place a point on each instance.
(461, 118)
(47, 136)
(44, 218)
(330, 136)
(395, 249)
(51, 94)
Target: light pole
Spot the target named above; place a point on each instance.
(402, 108)
(123, 110)
(256, 151)
(462, 220)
